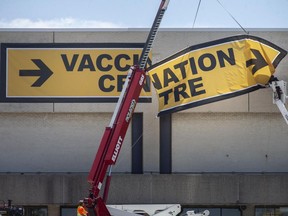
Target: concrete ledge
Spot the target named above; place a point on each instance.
(186, 189)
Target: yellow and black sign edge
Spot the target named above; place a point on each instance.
(276, 61)
(45, 99)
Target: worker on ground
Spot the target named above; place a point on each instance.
(81, 211)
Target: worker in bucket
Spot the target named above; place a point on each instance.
(81, 211)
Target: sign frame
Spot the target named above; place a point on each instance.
(60, 99)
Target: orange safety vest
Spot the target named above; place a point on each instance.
(81, 211)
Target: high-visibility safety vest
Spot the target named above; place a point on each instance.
(81, 211)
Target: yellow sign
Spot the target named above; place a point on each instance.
(70, 72)
(214, 71)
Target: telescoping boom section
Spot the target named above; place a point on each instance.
(114, 135)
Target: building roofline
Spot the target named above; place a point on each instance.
(136, 29)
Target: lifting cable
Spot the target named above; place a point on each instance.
(233, 17)
(198, 7)
(196, 13)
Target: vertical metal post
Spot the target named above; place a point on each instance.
(165, 144)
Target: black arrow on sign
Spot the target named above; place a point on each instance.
(258, 63)
(44, 73)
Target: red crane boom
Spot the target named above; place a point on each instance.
(114, 134)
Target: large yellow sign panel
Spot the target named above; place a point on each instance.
(214, 71)
(71, 72)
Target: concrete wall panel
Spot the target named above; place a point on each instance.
(186, 189)
(26, 36)
(26, 107)
(226, 142)
(47, 142)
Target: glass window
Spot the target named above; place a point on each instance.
(283, 211)
(214, 211)
(231, 212)
(271, 211)
(68, 211)
(264, 212)
(36, 211)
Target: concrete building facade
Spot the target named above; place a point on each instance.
(228, 154)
